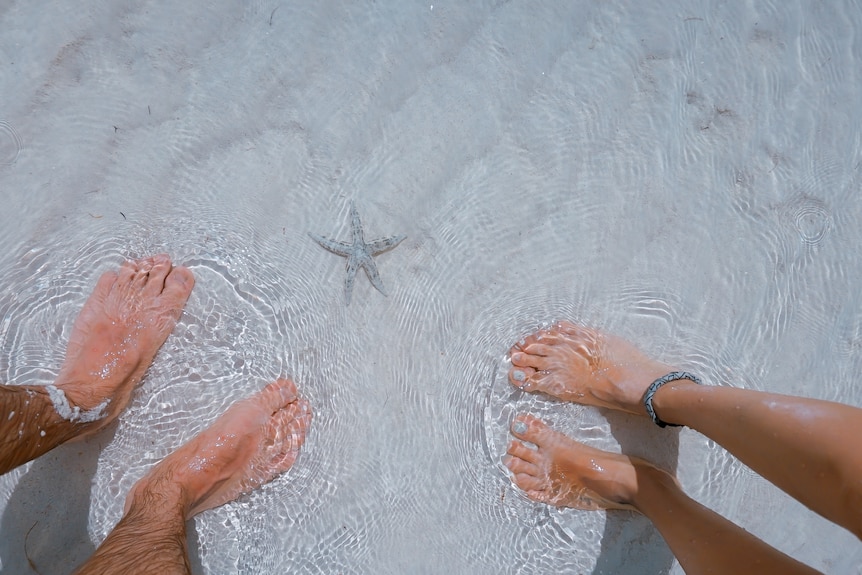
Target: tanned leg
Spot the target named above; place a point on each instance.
(563, 472)
(124, 322)
(801, 445)
(806, 447)
(251, 443)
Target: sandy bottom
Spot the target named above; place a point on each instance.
(686, 175)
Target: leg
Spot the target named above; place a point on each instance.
(251, 443)
(563, 472)
(123, 324)
(807, 447)
(804, 446)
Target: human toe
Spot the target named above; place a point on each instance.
(300, 421)
(528, 483)
(286, 389)
(155, 280)
(141, 275)
(278, 394)
(519, 466)
(528, 428)
(521, 451)
(126, 273)
(531, 357)
(178, 285)
(294, 420)
(285, 446)
(534, 337)
(521, 376)
(574, 330)
(290, 427)
(105, 283)
(543, 349)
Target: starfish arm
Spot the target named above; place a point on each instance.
(374, 275)
(335, 247)
(356, 225)
(383, 244)
(353, 264)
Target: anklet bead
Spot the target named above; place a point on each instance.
(656, 385)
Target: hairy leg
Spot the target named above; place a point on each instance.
(255, 440)
(563, 472)
(121, 327)
(804, 446)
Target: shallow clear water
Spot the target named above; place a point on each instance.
(686, 175)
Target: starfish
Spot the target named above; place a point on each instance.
(359, 254)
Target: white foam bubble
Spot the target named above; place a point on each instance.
(69, 413)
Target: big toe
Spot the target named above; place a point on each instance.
(277, 394)
(297, 422)
(289, 427)
(532, 429)
(178, 286)
(105, 284)
(521, 377)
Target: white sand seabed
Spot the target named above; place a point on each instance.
(684, 174)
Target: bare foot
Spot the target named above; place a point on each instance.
(255, 440)
(124, 322)
(565, 473)
(583, 365)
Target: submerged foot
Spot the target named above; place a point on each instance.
(583, 365)
(118, 332)
(566, 473)
(255, 440)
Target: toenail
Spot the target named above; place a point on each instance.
(519, 427)
(519, 375)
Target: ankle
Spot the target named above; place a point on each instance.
(158, 495)
(666, 401)
(651, 483)
(72, 405)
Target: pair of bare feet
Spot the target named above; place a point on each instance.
(115, 338)
(581, 365)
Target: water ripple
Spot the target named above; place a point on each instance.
(10, 144)
(811, 217)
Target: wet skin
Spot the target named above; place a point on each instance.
(114, 339)
(254, 441)
(801, 445)
(581, 365)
